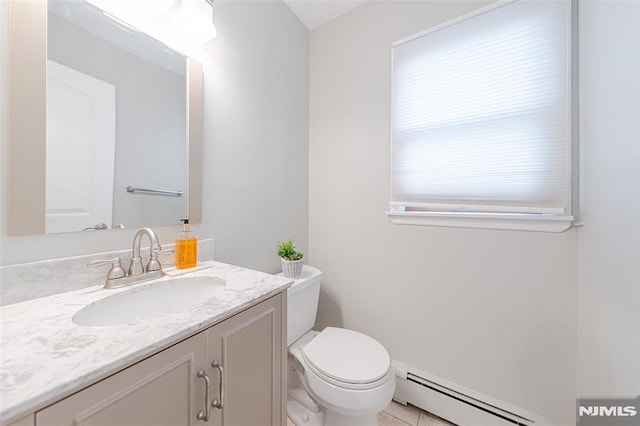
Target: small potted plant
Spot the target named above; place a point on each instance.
(291, 259)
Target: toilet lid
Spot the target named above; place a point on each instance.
(347, 356)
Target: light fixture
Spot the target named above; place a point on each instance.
(195, 21)
(181, 24)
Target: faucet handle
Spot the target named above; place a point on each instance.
(116, 271)
(163, 252)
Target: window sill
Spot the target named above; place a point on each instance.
(503, 221)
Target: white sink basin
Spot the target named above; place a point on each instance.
(149, 301)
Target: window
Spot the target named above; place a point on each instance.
(481, 120)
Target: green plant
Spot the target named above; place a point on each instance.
(287, 250)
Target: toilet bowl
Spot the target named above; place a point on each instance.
(336, 377)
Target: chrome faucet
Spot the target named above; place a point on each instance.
(154, 248)
(116, 277)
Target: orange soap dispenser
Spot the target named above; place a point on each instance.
(186, 247)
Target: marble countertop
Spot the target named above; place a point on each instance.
(45, 356)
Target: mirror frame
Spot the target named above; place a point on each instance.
(26, 180)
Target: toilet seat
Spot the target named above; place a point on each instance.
(338, 397)
(347, 359)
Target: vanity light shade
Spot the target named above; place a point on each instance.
(195, 21)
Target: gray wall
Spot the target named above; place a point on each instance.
(609, 242)
(256, 172)
(503, 313)
(255, 144)
(493, 311)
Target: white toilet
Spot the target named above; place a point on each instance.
(336, 377)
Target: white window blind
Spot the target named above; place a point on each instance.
(481, 116)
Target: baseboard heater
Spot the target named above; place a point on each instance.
(455, 404)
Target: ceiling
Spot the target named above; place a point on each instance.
(314, 13)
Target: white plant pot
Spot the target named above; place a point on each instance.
(291, 268)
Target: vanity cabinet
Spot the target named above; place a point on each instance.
(252, 350)
(246, 384)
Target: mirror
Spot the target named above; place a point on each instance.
(122, 124)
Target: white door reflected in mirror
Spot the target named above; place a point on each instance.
(80, 157)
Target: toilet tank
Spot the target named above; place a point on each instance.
(302, 303)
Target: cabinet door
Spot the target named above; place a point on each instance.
(160, 390)
(250, 347)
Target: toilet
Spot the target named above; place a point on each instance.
(336, 377)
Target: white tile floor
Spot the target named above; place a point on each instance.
(400, 415)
